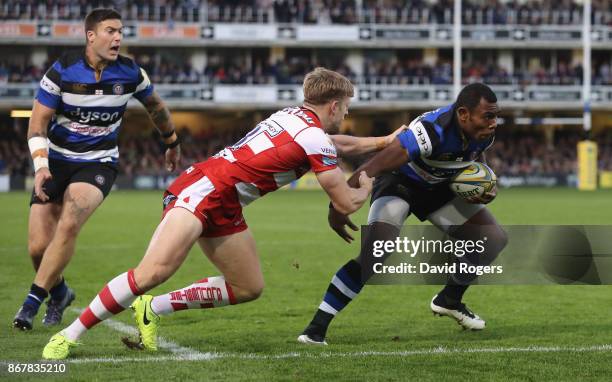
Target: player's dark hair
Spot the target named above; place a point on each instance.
(98, 15)
(471, 95)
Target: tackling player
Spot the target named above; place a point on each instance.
(72, 137)
(412, 176)
(205, 203)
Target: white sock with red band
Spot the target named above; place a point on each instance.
(211, 292)
(116, 296)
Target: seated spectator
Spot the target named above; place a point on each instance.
(474, 12)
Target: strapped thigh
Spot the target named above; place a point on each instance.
(389, 209)
(454, 213)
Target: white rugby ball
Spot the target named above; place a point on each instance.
(475, 180)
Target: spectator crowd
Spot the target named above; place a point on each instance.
(497, 12)
(239, 69)
(515, 152)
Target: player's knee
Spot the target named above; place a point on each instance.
(148, 281)
(36, 249)
(255, 291)
(151, 275)
(68, 228)
(249, 292)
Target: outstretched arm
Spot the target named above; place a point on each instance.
(160, 115)
(347, 145)
(391, 158)
(345, 199)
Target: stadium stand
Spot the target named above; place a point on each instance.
(515, 153)
(235, 70)
(475, 12)
(399, 76)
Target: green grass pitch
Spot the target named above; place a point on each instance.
(388, 333)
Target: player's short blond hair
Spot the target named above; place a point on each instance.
(324, 85)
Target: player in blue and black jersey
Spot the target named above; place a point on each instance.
(412, 177)
(72, 137)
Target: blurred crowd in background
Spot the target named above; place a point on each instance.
(498, 12)
(515, 152)
(409, 71)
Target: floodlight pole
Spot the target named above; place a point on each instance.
(457, 48)
(586, 66)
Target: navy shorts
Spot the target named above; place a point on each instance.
(100, 175)
(423, 200)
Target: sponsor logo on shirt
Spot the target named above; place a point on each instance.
(329, 161)
(90, 116)
(168, 199)
(300, 113)
(421, 137)
(422, 140)
(328, 151)
(47, 86)
(117, 89)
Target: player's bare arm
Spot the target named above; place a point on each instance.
(160, 115)
(392, 157)
(37, 142)
(344, 198)
(347, 145)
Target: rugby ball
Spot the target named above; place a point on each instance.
(474, 180)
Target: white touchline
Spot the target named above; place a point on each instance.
(172, 347)
(181, 353)
(406, 353)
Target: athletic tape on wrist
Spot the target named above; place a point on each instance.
(40, 162)
(38, 143)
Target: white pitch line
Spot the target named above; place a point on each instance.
(172, 347)
(186, 354)
(365, 354)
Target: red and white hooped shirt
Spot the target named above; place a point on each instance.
(279, 150)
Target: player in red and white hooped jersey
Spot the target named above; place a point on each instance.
(277, 151)
(273, 154)
(205, 202)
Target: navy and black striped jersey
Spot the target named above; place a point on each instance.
(89, 112)
(437, 147)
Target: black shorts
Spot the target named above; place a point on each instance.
(423, 200)
(100, 175)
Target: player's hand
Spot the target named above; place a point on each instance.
(173, 158)
(485, 198)
(42, 175)
(394, 134)
(337, 222)
(365, 181)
